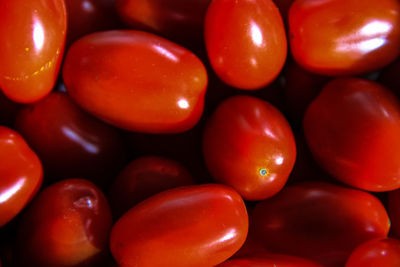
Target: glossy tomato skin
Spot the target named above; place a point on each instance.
(326, 37)
(31, 47)
(394, 212)
(21, 174)
(246, 41)
(352, 129)
(67, 224)
(70, 142)
(377, 252)
(200, 225)
(136, 81)
(319, 221)
(249, 145)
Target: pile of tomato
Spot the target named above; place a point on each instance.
(199, 133)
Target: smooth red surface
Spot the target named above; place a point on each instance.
(249, 145)
(70, 142)
(193, 226)
(145, 177)
(394, 212)
(381, 252)
(32, 36)
(246, 41)
(67, 224)
(136, 81)
(320, 221)
(21, 174)
(353, 129)
(344, 37)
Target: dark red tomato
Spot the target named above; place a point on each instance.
(353, 129)
(394, 212)
(320, 221)
(381, 252)
(144, 177)
(344, 37)
(31, 47)
(245, 41)
(193, 226)
(21, 174)
(248, 144)
(70, 142)
(136, 81)
(67, 224)
(389, 77)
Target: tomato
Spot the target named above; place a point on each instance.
(136, 81)
(353, 129)
(389, 77)
(380, 252)
(394, 212)
(31, 47)
(144, 177)
(326, 36)
(21, 174)
(70, 142)
(319, 221)
(246, 42)
(248, 144)
(200, 225)
(67, 225)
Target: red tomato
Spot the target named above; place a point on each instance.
(248, 144)
(353, 129)
(136, 81)
(67, 225)
(344, 37)
(245, 41)
(320, 221)
(394, 212)
(32, 35)
(70, 142)
(144, 177)
(21, 174)
(200, 225)
(380, 252)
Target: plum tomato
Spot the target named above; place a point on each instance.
(249, 145)
(193, 226)
(394, 212)
(136, 81)
(352, 128)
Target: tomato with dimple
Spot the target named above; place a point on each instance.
(21, 174)
(353, 129)
(344, 37)
(249, 145)
(67, 224)
(394, 212)
(136, 81)
(193, 226)
(246, 41)
(32, 36)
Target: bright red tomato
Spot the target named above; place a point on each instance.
(245, 41)
(193, 226)
(32, 36)
(380, 252)
(353, 129)
(21, 174)
(67, 224)
(394, 212)
(137, 81)
(249, 145)
(320, 221)
(344, 37)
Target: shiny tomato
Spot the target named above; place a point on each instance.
(245, 41)
(136, 81)
(320, 221)
(353, 129)
(249, 145)
(394, 212)
(21, 174)
(67, 224)
(380, 252)
(193, 226)
(32, 36)
(344, 37)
